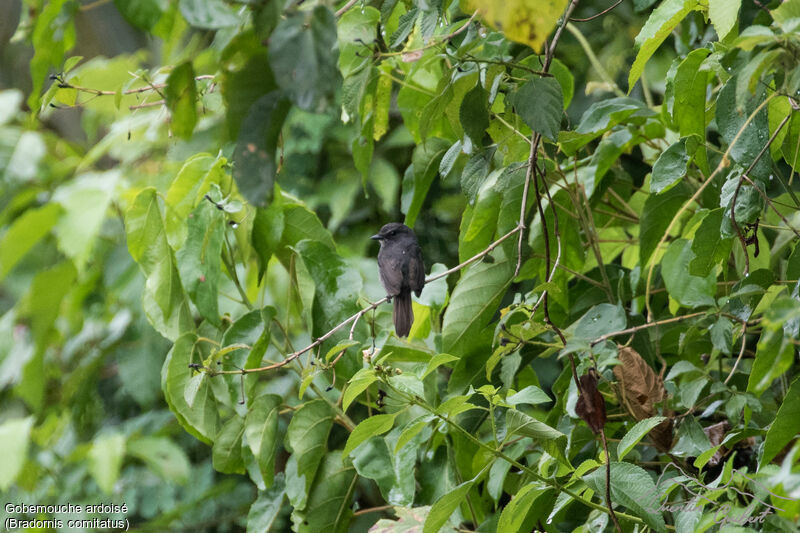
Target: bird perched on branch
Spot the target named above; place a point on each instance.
(401, 270)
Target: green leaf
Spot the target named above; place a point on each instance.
(633, 488)
(708, 245)
(27, 230)
(330, 501)
(200, 259)
(14, 438)
(144, 14)
(658, 27)
(261, 430)
(195, 178)
(436, 361)
(686, 289)
(227, 450)
(475, 172)
(181, 96)
(302, 223)
(479, 221)
(336, 289)
(531, 395)
(731, 118)
(393, 473)
(341, 346)
(163, 457)
(105, 460)
(474, 113)
(266, 509)
(539, 103)
(355, 28)
(85, 200)
(410, 431)
(553, 441)
(785, 427)
(670, 167)
(163, 299)
(722, 335)
(774, 356)
(599, 320)
(372, 426)
(250, 330)
(689, 107)
(513, 515)
(208, 14)
(786, 11)
(267, 232)
(445, 506)
(424, 164)
(473, 303)
(254, 157)
(723, 14)
(307, 437)
(302, 54)
(655, 218)
(601, 117)
(358, 384)
(635, 434)
(201, 419)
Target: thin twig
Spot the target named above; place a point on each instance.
(645, 326)
(741, 352)
(608, 482)
(598, 15)
(342, 10)
(294, 355)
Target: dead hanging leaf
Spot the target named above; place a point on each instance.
(591, 407)
(639, 389)
(715, 435)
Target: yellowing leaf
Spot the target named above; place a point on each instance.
(525, 21)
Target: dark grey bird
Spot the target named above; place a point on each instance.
(402, 271)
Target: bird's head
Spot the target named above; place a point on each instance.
(394, 231)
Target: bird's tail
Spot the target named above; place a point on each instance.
(403, 314)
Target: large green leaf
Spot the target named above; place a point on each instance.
(658, 27)
(723, 14)
(261, 430)
(425, 165)
(731, 119)
(181, 96)
(163, 299)
(688, 290)
(163, 456)
(105, 460)
(14, 438)
(539, 103)
(655, 218)
(208, 14)
(473, 303)
(709, 246)
(265, 510)
(372, 426)
(774, 356)
(227, 450)
(199, 260)
(633, 488)
(635, 434)
(254, 158)
(445, 506)
(24, 233)
(329, 505)
(513, 515)
(689, 106)
(555, 442)
(670, 167)
(201, 418)
(302, 53)
(785, 426)
(307, 437)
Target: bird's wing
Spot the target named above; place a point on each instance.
(416, 270)
(391, 272)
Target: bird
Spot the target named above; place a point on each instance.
(402, 270)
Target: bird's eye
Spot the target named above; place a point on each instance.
(392, 233)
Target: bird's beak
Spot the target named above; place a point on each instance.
(376, 237)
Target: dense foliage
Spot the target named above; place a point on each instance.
(187, 321)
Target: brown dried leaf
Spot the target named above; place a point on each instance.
(591, 407)
(662, 434)
(639, 388)
(715, 435)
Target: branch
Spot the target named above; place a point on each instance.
(294, 355)
(645, 326)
